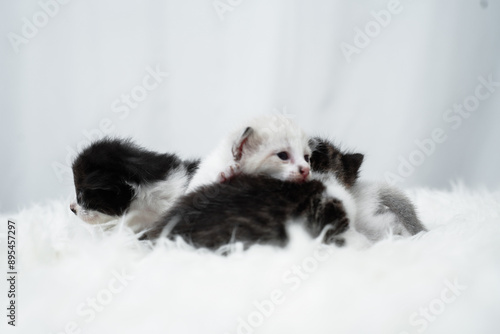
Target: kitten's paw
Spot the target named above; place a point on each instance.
(334, 215)
(229, 173)
(330, 239)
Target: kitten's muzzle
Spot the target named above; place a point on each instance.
(304, 171)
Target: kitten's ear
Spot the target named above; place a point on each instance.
(351, 164)
(323, 156)
(313, 143)
(241, 143)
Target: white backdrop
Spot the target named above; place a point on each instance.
(380, 77)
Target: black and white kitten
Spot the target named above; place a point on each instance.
(381, 209)
(256, 209)
(113, 177)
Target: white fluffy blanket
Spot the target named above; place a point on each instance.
(75, 278)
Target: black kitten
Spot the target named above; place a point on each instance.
(255, 209)
(115, 176)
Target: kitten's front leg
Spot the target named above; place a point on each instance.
(335, 196)
(335, 189)
(331, 213)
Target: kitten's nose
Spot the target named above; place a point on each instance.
(72, 207)
(304, 171)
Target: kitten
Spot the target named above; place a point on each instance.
(269, 145)
(380, 208)
(114, 176)
(256, 209)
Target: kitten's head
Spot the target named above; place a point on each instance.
(101, 182)
(274, 146)
(327, 159)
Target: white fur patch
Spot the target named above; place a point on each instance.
(91, 216)
(152, 200)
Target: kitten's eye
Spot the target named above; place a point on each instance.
(306, 158)
(283, 155)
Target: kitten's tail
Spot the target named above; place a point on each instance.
(403, 208)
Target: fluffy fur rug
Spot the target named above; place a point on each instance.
(76, 278)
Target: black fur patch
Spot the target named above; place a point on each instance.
(104, 171)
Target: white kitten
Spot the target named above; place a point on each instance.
(271, 145)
